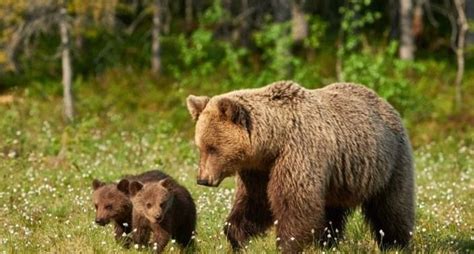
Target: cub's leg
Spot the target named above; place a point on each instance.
(161, 237)
(141, 229)
(120, 230)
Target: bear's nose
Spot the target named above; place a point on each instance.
(204, 182)
(158, 218)
(101, 222)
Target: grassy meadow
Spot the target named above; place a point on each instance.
(46, 170)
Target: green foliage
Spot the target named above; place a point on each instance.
(201, 54)
(275, 41)
(317, 30)
(214, 14)
(380, 70)
(279, 62)
(130, 121)
(386, 74)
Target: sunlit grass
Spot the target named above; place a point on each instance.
(46, 171)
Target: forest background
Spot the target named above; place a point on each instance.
(96, 89)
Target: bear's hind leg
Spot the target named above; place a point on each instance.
(250, 215)
(335, 221)
(391, 213)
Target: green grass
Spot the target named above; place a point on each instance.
(46, 170)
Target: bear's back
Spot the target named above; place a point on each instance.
(349, 96)
(149, 176)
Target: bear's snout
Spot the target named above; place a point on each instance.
(158, 218)
(101, 222)
(209, 183)
(204, 182)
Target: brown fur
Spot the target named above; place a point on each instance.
(306, 158)
(112, 203)
(169, 211)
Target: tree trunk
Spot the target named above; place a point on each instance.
(394, 12)
(155, 45)
(299, 25)
(281, 10)
(418, 24)
(243, 33)
(188, 9)
(66, 66)
(13, 47)
(407, 46)
(79, 39)
(463, 27)
(470, 16)
(166, 16)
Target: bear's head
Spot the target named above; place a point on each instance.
(222, 136)
(111, 201)
(153, 200)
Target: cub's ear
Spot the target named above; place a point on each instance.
(96, 184)
(123, 186)
(233, 111)
(166, 183)
(135, 187)
(196, 105)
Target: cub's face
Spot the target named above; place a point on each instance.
(153, 200)
(110, 202)
(222, 137)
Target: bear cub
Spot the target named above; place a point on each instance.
(169, 209)
(112, 202)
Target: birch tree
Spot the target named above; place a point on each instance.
(155, 32)
(66, 65)
(22, 20)
(407, 44)
(463, 27)
(299, 24)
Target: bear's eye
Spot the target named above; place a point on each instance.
(162, 205)
(95, 206)
(211, 149)
(108, 207)
(148, 205)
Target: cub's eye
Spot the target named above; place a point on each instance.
(162, 205)
(108, 207)
(211, 149)
(96, 206)
(148, 205)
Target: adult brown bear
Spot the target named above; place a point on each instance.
(306, 158)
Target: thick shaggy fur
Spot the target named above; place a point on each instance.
(112, 202)
(168, 209)
(304, 159)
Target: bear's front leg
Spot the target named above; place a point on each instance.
(297, 203)
(141, 229)
(250, 215)
(160, 238)
(121, 234)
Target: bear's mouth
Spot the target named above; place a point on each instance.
(102, 222)
(209, 183)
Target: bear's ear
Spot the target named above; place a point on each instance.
(166, 183)
(123, 186)
(233, 111)
(96, 184)
(135, 187)
(196, 105)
